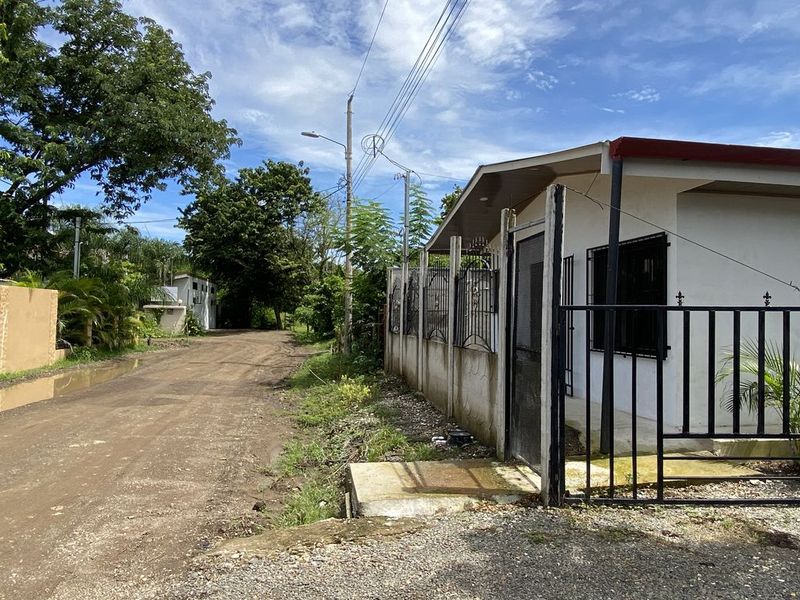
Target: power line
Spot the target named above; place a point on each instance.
(442, 31)
(691, 241)
(369, 48)
(150, 221)
(442, 176)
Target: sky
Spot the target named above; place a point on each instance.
(518, 78)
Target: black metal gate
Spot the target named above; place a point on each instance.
(523, 435)
(734, 378)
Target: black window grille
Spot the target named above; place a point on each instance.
(642, 279)
(436, 297)
(411, 322)
(568, 298)
(476, 302)
(394, 306)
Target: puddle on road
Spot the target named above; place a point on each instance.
(54, 386)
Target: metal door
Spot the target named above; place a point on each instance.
(526, 376)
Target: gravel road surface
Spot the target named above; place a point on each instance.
(107, 492)
(527, 553)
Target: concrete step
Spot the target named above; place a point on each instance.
(398, 489)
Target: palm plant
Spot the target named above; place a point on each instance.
(773, 381)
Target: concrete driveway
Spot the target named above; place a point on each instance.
(106, 492)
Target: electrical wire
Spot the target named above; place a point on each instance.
(369, 48)
(442, 31)
(790, 284)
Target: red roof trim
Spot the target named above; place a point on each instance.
(632, 147)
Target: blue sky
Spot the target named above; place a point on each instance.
(520, 77)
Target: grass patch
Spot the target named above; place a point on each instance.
(314, 502)
(335, 396)
(540, 537)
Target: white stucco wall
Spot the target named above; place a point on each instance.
(761, 231)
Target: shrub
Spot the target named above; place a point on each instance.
(191, 326)
(353, 391)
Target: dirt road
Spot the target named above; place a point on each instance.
(104, 493)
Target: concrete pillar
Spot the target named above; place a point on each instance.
(508, 219)
(455, 265)
(551, 290)
(387, 330)
(423, 274)
(403, 283)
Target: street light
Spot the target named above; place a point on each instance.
(348, 265)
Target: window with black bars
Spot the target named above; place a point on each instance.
(642, 279)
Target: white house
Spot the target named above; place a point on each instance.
(711, 231)
(200, 296)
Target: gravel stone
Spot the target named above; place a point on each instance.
(650, 552)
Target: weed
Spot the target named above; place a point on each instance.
(540, 537)
(383, 441)
(617, 534)
(299, 457)
(420, 451)
(314, 502)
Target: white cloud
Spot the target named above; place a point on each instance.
(781, 139)
(542, 80)
(645, 94)
(768, 80)
(607, 109)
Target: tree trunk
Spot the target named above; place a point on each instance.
(278, 322)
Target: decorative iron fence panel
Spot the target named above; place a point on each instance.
(436, 298)
(730, 375)
(476, 302)
(411, 321)
(394, 304)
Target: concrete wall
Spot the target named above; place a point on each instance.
(476, 393)
(434, 369)
(173, 318)
(476, 372)
(28, 319)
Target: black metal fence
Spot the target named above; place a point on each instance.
(411, 319)
(394, 303)
(712, 376)
(436, 299)
(476, 301)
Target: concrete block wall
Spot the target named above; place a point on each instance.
(28, 318)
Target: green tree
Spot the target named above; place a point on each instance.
(244, 233)
(376, 247)
(116, 101)
(421, 219)
(448, 201)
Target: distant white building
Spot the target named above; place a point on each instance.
(200, 296)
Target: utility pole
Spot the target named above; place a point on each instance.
(406, 175)
(76, 260)
(348, 264)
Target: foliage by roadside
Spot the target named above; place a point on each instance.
(340, 421)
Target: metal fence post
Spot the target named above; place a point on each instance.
(506, 256)
(455, 265)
